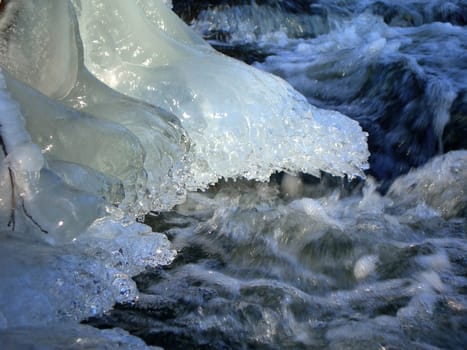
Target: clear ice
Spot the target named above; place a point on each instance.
(242, 122)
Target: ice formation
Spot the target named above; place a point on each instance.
(63, 250)
(150, 155)
(243, 122)
(80, 160)
(70, 336)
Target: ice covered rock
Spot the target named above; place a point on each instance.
(243, 122)
(76, 280)
(70, 336)
(58, 283)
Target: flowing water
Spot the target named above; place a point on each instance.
(302, 262)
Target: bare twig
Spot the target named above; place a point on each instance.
(32, 219)
(12, 221)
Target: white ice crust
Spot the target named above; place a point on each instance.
(243, 122)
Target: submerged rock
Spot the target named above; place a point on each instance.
(440, 184)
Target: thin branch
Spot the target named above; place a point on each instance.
(32, 219)
(12, 221)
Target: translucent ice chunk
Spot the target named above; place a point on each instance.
(26, 157)
(32, 198)
(243, 122)
(149, 148)
(50, 70)
(59, 209)
(65, 134)
(89, 180)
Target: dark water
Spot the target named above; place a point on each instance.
(307, 263)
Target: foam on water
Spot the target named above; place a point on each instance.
(253, 23)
